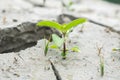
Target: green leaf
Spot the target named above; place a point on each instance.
(102, 67)
(115, 49)
(51, 24)
(70, 3)
(46, 47)
(75, 49)
(54, 46)
(74, 23)
(57, 40)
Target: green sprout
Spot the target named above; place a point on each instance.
(46, 47)
(116, 49)
(101, 59)
(68, 5)
(64, 29)
(102, 66)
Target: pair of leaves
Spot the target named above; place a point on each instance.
(62, 28)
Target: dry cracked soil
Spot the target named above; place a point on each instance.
(22, 44)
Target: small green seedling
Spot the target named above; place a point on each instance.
(64, 29)
(68, 5)
(116, 49)
(75, 49)
(46, 46)
(102, 66)
(101, 60)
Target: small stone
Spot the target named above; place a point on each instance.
(91, 77)
(16, 75)
(15, 20)
(3, 11)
